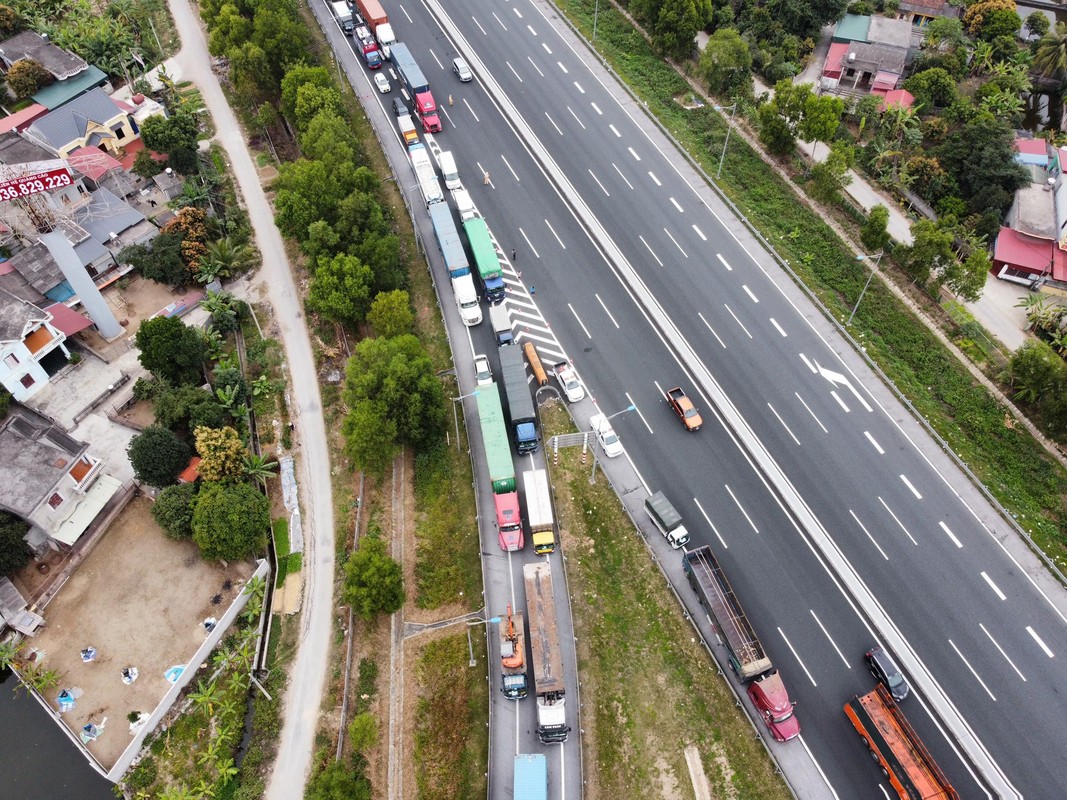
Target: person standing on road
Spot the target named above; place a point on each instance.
(485, 178)
(513, 254)
(450, 99)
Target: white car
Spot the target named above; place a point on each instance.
(483, 375)
(605, 434)
(463, 72)
(382, 83)
(572, 387)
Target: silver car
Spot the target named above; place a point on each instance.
(463, 72)
(572, 387)
(483, 374)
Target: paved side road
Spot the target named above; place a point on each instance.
(308, 675)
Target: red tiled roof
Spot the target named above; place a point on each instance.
(93, 162)
(22, 119)
(1029, 254)
(190, 473)
(898, 97)
(832, 66)
(66, 320)
(1032, 147)
(885, 80)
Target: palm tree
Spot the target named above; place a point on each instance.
(206, 697)
(258, 468)
(9, 653)
(230, 256)
(1051, 57)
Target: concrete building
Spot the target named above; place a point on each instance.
(867, 54)
(31, 347)
(51, 480)
(32, 46)
(89, 120)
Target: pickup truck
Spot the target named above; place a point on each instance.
(684, 408)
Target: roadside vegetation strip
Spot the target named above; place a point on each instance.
(1008, 461)
(451, 734)
(448, 558)
(648, 687)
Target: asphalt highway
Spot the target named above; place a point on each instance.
(925, 546)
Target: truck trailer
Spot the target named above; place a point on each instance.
(486, 259)
(667, 520)
(417, 86)
(495, 440)
(539, 511)
(519, 403)
(513, 655)
(894, 744)
(375, 18)
(546, 661)
(459, 269)
(531, 777)
(747, 657)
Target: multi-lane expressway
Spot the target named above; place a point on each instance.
(838, 518)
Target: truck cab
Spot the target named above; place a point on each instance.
(769, 696)
(508, 521)
(667, 520)
(426, 108)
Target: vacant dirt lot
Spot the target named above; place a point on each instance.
(140, 600)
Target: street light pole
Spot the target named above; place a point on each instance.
(877, 261)
(592, 475)
(729, 127)
(470, 644)
(455, 413)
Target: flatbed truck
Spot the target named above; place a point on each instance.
(546, 660)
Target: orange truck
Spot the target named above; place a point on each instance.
(895, 745)
(684, 408)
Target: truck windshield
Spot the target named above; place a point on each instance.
(784, 716)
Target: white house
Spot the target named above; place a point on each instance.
(31, 348)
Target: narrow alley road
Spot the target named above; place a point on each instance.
(307, 677)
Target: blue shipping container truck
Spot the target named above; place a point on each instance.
(409, 71)
(444, 228)
(531, 777)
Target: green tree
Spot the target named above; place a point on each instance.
(27, 77)
(171, 350)
(298, 75)
(279, 32)
(966, 278)
(804, 18)
(306, 192)
(230, 521)
(186, 407)
(250, 73)
(933, 88)
(780, 119)
(726, 64)
(1050, 59)
(226, 257)
(221, 453)
(374, 582)
(831, 176)
(157, 456)
(1035, 371)
(14, 553)
(338, 781)
(381, 252)
(391, 315)
(676, 28)
(822, 118)
(328, 138)
(160, 260)
(398, 374)
(931, 248)
(312, 100)
(173, 510)
(167, 134)
(321, 241)
(1037, 24)
(875, 231)
(948, 30)
(340, 289)
(363, 732)
(1000, 22)
(230, 29)
(10, 23)
(370, 436)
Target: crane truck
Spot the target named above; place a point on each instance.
(545, 657)
(894, 744)
(747, 657)
(512, 655)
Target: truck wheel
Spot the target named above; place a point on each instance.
(866, 744)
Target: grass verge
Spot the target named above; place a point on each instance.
(448, 560)
(1010, 462)
(633, 638)
(451, 737)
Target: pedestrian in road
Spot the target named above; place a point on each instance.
(485, 178)
(513, 254)
(450, 99)
(533, 290)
